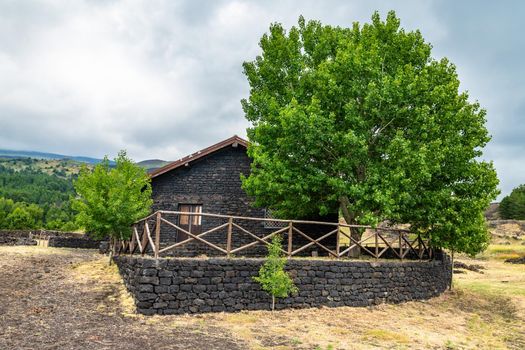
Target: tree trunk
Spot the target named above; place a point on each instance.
(111, 251)
(273, 302)
(451, 271)
(350, 220)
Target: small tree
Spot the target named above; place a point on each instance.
(513, 205)
(272, 277)
(110, 199)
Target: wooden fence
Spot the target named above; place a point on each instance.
(375, 242)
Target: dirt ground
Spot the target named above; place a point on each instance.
(47, 303)
(52, 298)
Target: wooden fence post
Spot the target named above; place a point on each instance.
(290, 243)
(157, 236)
(229, 238)
(337, 243)
(144, 240)
(400, 246)
(419, 255)
(376, 244)
(133, 238)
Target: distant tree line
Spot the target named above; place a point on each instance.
(31, 199)
(513, 205)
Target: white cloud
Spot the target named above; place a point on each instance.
(164, 78)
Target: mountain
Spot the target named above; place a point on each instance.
(4, 153)
(152, 164)
(148, 164)
(492, 213)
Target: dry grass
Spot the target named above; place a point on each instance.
(28, 251)
(459, 319)
(105, 278)
(484, 311)
(468, 317)
(512, 249)
(70, 299)
(508, 230)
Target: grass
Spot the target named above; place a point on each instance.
(464, 318)
(30, 250)
(66, 167)
(105, 278)
(483, 311)
(503, 251)
(500, 280)
(382, 336)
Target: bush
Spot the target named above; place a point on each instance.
(272, 277)
(513, 205)
(20, 218)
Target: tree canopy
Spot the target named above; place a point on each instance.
(20, 215)
(513, 205)
(41, 200)
(364, 121)
(109, 199)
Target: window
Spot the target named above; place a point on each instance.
(272, 224)
(190, 223)
(195, 220)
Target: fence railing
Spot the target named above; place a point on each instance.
(375, 242)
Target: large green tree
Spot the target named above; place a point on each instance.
(364, 121)
(110, 199)
(513, 205)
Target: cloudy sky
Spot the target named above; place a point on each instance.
(164, 78)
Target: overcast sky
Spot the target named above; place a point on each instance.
(164, 78)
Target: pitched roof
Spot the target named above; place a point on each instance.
(232, 141)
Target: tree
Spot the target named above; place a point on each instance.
(513, 205)
(273, 278)
(20, 218)
(110, 199)
(363, 121)
(6, 207)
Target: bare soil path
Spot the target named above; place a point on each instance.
(48, 300)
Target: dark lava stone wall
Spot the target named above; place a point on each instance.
(56, 239)
(16, 237)
(73, 242)
(214, 182)
(182, 285)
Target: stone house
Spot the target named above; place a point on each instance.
(208, 181)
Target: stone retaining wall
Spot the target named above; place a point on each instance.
(73, 242)
(16, 237)
(186, 285)
(56, 239)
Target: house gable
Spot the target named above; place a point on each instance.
(234, 141)
(211, 181)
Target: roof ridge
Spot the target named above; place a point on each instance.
(199, 154)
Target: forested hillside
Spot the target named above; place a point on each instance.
(36, 194)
